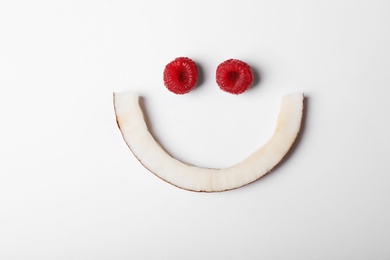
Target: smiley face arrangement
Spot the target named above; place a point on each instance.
(180, 77)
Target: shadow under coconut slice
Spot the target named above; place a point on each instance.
(152, 156)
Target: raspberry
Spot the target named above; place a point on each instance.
(180, 75)
(234, 76)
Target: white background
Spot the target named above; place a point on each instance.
(71, 189)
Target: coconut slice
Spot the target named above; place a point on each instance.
(131, 123)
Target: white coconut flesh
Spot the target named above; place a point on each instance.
(135, 132)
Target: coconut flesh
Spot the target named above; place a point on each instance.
(134, 130)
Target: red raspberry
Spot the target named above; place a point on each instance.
(180, 75)
(234, 76)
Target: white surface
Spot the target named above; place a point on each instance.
(71, 189)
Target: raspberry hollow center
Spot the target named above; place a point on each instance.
(233, 76)
(181, 76)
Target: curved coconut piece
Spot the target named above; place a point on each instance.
(131, 123)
